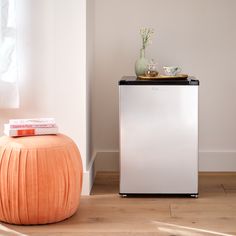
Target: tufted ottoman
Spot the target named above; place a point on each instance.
(40, 179)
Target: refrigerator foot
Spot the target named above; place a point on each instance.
(194, 195)
(123, 195)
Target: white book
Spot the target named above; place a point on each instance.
(29, 126)
(34, 121)
(30, 132)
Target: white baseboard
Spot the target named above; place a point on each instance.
(209, 161)
(217, 161)
(88, 177)
(107, 161)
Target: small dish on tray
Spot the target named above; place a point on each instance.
(179, 76)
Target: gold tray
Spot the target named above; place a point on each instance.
(179, 76)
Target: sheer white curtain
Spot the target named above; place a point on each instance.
(9, 95)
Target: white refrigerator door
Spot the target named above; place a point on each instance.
(158, 139)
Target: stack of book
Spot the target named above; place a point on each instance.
(28, 127)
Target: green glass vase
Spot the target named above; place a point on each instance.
(141, 63)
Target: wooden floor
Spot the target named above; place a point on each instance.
(106, 213)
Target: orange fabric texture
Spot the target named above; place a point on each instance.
(40, 179)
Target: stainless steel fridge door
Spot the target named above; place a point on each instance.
(158, 139)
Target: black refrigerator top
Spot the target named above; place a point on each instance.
(132, 80)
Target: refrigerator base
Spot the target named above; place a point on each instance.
(149, 195)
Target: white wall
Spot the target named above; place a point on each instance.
(197, 35)
(89, 81)
(90, 69)
(52, 63)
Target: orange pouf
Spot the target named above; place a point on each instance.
(40, 179)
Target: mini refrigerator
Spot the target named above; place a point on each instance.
(158, 136)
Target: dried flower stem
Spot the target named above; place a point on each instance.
(146, 34)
